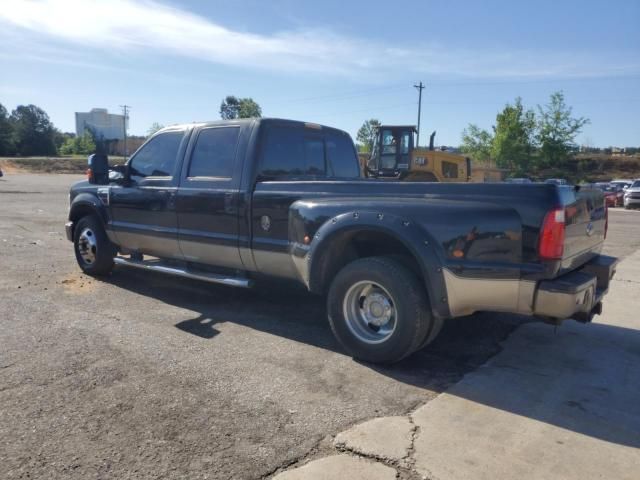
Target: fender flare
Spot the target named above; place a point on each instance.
(86, 204)
(413, 236)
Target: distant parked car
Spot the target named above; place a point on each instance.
(619, 194)
(518, 180)
(556, 181)
(613, 194)
(624, 184)
(632, 195)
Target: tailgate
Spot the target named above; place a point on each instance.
(586, 223)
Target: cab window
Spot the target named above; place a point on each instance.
(305, 153)
(449, 169)
(157, 158)
(214, 153)
(389, 150)
(282, 153)
(342, 161)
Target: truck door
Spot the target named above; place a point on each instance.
(144, 210)
(289, 154)
(294, 163)
(208, 196)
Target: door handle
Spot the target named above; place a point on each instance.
(171, 199)
(229, 206)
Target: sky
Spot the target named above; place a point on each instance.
(332, 62)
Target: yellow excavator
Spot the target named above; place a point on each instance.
(394, 156)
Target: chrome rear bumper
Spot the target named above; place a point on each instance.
(574, 295)
(577, 294)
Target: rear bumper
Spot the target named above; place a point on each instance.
(631, 202)
(577, 294)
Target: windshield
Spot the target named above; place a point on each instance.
(605, 187)
(636, 184)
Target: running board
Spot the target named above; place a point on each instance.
(156, 266)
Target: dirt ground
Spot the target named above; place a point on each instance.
(147, 376)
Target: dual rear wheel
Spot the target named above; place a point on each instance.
(379, 311)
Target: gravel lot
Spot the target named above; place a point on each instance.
(147, 376)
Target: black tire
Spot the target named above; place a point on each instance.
(438, 323)
(94, 252)
(388, 279)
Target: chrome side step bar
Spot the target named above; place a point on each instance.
(157, 266)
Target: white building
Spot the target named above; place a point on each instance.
(108, 125)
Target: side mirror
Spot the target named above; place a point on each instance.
(98, 171)
(119, 173)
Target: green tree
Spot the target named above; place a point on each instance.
(67, 147)
(60, 137)
(155, 126)
(477, 143)
(367, 134)
(6, 133)
(233, 107)
(557, 130)
(83, 145)
(513, 141)
(33, 132)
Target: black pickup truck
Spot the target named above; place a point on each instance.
(228, 202)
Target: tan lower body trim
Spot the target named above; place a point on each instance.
(468, 295)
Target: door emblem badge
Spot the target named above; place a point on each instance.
(265, 222)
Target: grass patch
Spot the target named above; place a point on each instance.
(66, 164)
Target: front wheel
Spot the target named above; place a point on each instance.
(378, 310)
(94, 251)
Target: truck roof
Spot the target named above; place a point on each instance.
(244, 121)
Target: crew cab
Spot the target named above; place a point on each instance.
(231, 201)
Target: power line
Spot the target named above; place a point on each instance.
(534, 81)
(347, 95)
(501, 101)
(367, 109)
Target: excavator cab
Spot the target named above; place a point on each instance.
(391, 153)
(395, 156)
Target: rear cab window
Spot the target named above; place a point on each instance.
(296, 152)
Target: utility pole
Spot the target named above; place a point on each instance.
(420, 87)
(125, 113)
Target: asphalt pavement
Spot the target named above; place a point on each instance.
(141, 375)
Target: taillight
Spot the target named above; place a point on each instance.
(551, 244)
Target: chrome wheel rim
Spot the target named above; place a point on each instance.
(370, 312)
(88, 246)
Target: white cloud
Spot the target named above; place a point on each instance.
(124, 26)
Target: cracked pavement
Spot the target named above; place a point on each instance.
(145, 376)
(564, 405)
